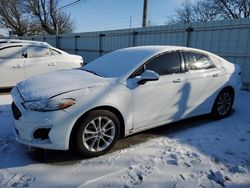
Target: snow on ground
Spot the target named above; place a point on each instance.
(199, 152)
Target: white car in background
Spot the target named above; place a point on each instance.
(119, 94)
(20, 59)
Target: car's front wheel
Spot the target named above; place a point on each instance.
(97, 133)
(223, 103)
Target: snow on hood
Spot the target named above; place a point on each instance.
(54, 83)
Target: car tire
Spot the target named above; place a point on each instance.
(222, 106)
(97, 133)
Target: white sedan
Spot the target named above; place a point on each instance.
(119, 94)
(20, 59)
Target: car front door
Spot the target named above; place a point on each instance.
(204, 80)
(11, 65)
(39, 60)
(160, 101)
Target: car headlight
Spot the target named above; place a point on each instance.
(49, 104)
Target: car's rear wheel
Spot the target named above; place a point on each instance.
(223, 104)
(97, 133)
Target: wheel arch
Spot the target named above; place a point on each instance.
(104, 107)
(230, 88)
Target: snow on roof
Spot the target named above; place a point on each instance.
(162, 48)
(17, 41)
(120, 62)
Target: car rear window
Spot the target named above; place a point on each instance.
(197, 61)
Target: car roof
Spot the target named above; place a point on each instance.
(162, 48)
(13, 42)
(8, 42)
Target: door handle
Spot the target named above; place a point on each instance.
(17, 66)
(177, 80)
(51, 64)
(215, 75)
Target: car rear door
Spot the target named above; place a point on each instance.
(11, 65)
(160, 101)
(39, 60)
(204, 80)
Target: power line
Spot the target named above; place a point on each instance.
(76, 2)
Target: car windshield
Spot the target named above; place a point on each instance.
(118, 63)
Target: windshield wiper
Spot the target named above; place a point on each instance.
(92, 72)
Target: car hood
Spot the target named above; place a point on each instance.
(58, 82)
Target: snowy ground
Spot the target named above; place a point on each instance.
(198, 152)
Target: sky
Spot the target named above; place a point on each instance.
(96, 15)
(100, 15)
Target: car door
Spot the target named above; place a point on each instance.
(160, 101)
(39, 60)
(204, 80)
(11, 65)
(61, 61)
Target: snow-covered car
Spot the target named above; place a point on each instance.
(20, 59)
(119, 94)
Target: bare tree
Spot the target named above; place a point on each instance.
(184, 14)
(203, 11)
(27, 17)
(209, 10)
(232, 9)
(52, 20)
(13, 16)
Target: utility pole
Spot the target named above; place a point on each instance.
(57, 37)
(144, 18)
(130, 22)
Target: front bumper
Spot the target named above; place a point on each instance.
(56, 124)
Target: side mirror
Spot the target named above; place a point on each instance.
(148, 75)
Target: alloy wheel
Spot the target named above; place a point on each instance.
(224, 103)
(98, 134)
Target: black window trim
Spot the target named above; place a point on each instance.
(183, 52)
(182, 63)
(11, 46)
(55, 51)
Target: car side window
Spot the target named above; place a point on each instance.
(165, 64)
(37, 51)
(11, 52)
(196, 61)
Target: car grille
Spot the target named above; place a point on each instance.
(16, 112)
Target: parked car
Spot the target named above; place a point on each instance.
(20, 59)
(119, 94)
